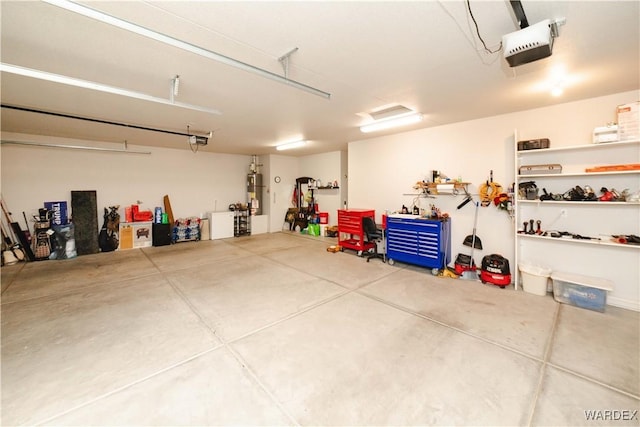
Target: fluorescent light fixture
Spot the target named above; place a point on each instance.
(162, 38)
(71, 81)
(389, 111)
(290, 145)
(72, 147)
(557, 91)
(392, 122)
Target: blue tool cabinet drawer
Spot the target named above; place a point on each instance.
(418, 241)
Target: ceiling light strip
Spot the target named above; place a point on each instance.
(290, 145)
(391, 123)
(73, 147)
(163, 38)
(71, 81)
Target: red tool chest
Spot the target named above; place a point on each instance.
(350, 232)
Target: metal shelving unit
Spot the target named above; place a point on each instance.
(242, 222)
(595, 219)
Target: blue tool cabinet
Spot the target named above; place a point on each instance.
(419, 241)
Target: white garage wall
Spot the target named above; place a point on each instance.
(280, 194)
(325, 167)
(383, 170)
(195, 182)
(382, 173)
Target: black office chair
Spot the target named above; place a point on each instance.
(373, 235)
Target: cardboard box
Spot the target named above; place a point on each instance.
(136, 235)
(605, 134)
(126, 236)
(628, 121)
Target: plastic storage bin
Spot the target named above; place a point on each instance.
(581, 291)
(534, 278)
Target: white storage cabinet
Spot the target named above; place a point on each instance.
(221, 224)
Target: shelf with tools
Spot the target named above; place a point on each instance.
(581, 174)
(579, 203)
(441, 188)
(586, 196)
(598, 241)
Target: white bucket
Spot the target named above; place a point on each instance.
(535, 279)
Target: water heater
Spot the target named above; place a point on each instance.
(254, 192)
(254, 187)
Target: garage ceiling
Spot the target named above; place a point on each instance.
(424, 55)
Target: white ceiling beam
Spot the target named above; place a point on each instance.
(163, 38)
(86, 84)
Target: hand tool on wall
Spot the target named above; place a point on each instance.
(17, 231)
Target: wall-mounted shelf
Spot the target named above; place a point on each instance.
(603, 146)
(579, 241)
(574, 174)
(444, 188)
(578, 203)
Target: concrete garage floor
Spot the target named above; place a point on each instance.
(274, 330)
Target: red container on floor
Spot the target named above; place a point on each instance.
(497, 279)
(324, 217)
(464, 263)
(495, 270)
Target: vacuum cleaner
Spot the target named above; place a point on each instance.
(495, 270)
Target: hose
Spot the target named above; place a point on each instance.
(488, 192)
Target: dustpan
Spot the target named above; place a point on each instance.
(472, 240)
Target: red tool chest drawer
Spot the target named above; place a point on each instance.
(350, 233)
